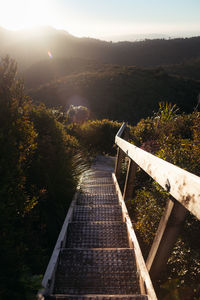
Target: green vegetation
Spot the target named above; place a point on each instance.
(48, 70)
(173, 137)
(188, 69)
(96, 136)
(119, 93)
(36, 187)
(40, 160)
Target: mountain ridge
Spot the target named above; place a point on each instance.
(150, 52)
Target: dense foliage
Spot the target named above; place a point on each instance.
(189, 69)
(96, 136)
(36, 186)
(173, 137)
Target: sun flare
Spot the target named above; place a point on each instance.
(101, 19)
(24, 13)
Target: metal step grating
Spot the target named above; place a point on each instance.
(97, 213)
(97, 297)
(98, 189)
(96, 174)
(88, 199)
(96, 181)
(97, 235)
(96, 272)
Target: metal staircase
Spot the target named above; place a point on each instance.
(97, 259)
(97, 255)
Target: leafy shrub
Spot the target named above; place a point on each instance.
(96, 136)
(37, 181)
(52, 172)
(144, 131)
(173, 137)
(18, 143)
(149, 203)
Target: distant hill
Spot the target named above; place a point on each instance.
(29, 47)
(119, 93)
(47, 70)
(121, 81)
(188, 69)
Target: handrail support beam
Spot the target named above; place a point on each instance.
(129, 182)
(166, 236)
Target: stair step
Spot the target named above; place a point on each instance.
(97, 297)
(96, 271)
(97, 213)
(88, 199)
(100, 167)
(97, 235)
(92, 173)
(99, 189)
(96, 181)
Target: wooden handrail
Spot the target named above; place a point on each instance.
(184, 190)
(182, 185)
(121, 130)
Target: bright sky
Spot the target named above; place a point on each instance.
(104, 18)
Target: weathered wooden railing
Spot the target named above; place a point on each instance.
(184, 195)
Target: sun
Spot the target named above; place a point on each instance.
(24, 13)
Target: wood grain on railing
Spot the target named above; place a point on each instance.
(182, 185)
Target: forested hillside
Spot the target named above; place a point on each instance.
(188, 69)
(53, 69)
(119, 93)
(120, 81)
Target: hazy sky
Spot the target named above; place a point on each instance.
(105, 18)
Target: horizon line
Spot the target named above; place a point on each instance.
(134, 37)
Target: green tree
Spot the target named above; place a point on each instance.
(37, 181)
(18, 142)
(52, 172)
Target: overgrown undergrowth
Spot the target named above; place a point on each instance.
(173, 137)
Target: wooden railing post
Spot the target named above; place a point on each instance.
(118, 162)
(129, 182)
(165, 238)
(120, 154)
